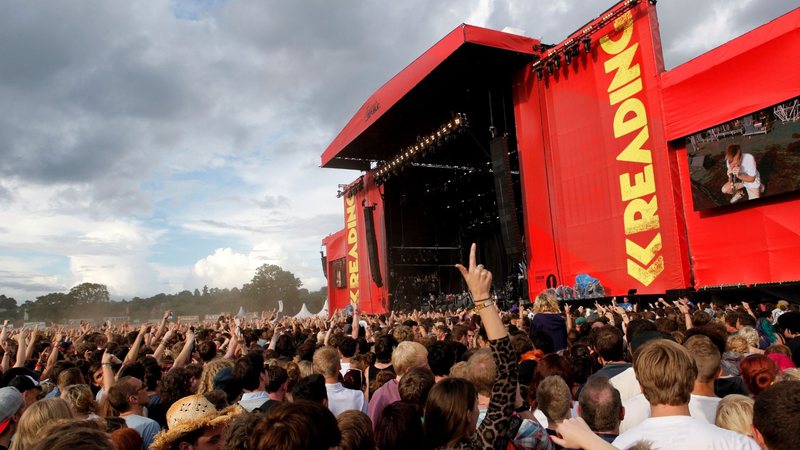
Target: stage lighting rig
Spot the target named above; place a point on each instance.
(551, 54)
(424, 143)
(351, 189)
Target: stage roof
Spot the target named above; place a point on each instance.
(422, 96)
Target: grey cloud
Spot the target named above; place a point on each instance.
(273, 202)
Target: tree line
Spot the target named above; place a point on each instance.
(92, 300)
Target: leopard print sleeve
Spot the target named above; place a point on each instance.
(493, 432)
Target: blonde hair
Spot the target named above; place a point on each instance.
(792, 374)
(737, 343)
(306, 368)
(666, 372)
(210, 370)
(750, 335)
(482, 371)
(80, 398)
(735, 413)
(326, 361)
(407, 355)
(459, 370)
(35, 418)
(545, 303)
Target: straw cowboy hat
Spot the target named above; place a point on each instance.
(190, 414)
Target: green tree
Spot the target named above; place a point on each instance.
(270, 284)
(89, 293)
(8, 308)
(50, 307)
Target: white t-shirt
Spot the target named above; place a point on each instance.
(748, 167)
(341, 399)
(542, 419)
(685, 433)
(627, 384)
(637, 410)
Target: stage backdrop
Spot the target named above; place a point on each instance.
(335, 263)
(358, 288)
(757, 241)
(598, 192)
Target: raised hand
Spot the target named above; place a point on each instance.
(478, 279)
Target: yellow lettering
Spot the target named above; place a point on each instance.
(624, 125)
(626, 91)
(644, 254)
(634, 152)
(644, 184)
(624, 71)
(646, 275)
(641, 216)
(352, 239)
(644, 263)
(625, 24)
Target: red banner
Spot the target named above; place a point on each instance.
(597, 185)
(359, 289)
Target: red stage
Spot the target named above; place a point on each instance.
(601, 161)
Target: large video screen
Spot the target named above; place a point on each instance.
(751, 157)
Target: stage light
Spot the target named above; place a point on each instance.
(549, 68)
(587, 44)
(568, 57)
(557, 62)
(539, 73)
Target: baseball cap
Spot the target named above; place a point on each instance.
(24, 383)
(10, 403)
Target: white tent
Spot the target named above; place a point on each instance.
(304, 313)
(241, 312)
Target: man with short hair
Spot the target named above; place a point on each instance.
(11, 407)
(276, 388)
(129, 397)
(599, 404)
(554, 398)
(347, 349)
(28, 387)
(666, 373)
(340, 399)
(609, 343)
(776, 417)
(441, 357)
(250, 374)
(703, 402)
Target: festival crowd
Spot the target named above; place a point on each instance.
(671, 375)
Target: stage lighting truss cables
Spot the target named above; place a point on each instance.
(424, 143)
(551, 59)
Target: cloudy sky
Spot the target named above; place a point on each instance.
(156, 146)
